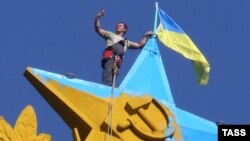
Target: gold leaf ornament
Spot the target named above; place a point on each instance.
(25, 128)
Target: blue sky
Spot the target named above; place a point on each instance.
(59, 36)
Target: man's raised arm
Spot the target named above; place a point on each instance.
(142, 42)
(98, 28)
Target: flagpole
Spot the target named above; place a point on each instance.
(156, 16)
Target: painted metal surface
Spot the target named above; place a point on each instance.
(86, 101)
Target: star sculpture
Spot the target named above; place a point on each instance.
(143, 106)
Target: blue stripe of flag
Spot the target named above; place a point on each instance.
(168, 23)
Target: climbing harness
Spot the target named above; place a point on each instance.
(108, 53)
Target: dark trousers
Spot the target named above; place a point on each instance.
(107, 74)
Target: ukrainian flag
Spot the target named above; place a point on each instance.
(171, 35)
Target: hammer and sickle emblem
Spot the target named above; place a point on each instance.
(146, 110)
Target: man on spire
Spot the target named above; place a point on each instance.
(116, 45)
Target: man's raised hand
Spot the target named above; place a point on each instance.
(100, 13)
